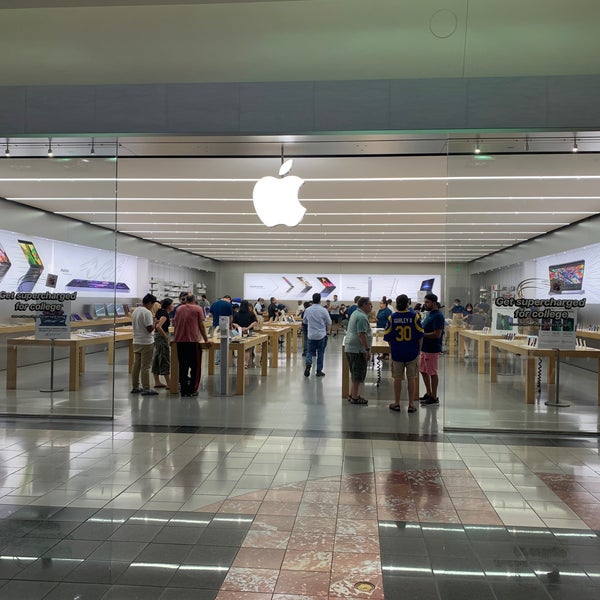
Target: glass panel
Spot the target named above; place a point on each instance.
(57, 280)
(523, 359)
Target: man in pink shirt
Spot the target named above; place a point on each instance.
(189, 327)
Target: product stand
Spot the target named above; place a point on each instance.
(557, 402)
(51, 389)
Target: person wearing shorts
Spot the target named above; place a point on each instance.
(334, 313)
(404, 334)
(358, 348)
(433, 327)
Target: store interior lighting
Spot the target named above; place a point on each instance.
(50, 152)
(575, 146)
(7, 151)
(477, 147)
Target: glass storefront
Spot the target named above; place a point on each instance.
(525, 358)
(72, 235)
(61, 283)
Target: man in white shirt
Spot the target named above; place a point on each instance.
(318, 322)
(142, 322)
(334, 312)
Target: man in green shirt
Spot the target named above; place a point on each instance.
(358, 348)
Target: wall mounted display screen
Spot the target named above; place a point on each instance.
(574, 274)
(301, 286)
(567, 277)
(88, 271)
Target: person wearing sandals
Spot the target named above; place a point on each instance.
(404, 334)
(161, 361)
(358, 348)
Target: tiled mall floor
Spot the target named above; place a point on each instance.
(290, 493)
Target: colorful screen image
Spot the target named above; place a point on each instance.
(427, 285)
(120, 310)
(4, 260)
(110, 310)
(566, 276)
(101, 286)
(504, 322)
(33, 258)
(100, 310)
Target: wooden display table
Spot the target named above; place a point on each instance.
(215, 344)
(29, 326)
(531, 354)
(76, 345)
(273, 331)
(452, 331)
(296, 327)
(482, 340)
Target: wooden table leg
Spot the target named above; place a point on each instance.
(74, 356)
(131, 357)
(288, 345)
(598, 377)
(274, 351)
(530, 371)
(493, 364)
(452, 343)
(111, 351)
(11, 367)
(551, 370)
(240, 378)
(211, 359)
(174, 374)
(82, 360)
(481, 356)
(345, 376)
(264, 357)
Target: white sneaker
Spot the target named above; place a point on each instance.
(467, 355)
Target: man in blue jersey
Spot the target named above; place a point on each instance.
(404, 334)
(433, 326)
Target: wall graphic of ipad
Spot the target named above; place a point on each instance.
(305, 283)
(27, 282)
(427, 285)
(329, 286)
(4, 262)
(101, 286)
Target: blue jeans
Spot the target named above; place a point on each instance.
(316, 347)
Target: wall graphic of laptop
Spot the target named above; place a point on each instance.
(427, 285)
(567, 278)
(4, 262)
(328, 286)
(27, 282)
(290, 284)
(306, 284)
(100, 286)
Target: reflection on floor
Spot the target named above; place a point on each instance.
(291, 493)
(166, 515)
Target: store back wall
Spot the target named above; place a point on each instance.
(230, 278)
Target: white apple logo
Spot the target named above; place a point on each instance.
(276, 200)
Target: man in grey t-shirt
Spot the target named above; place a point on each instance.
(142, 322)
(358, 347)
